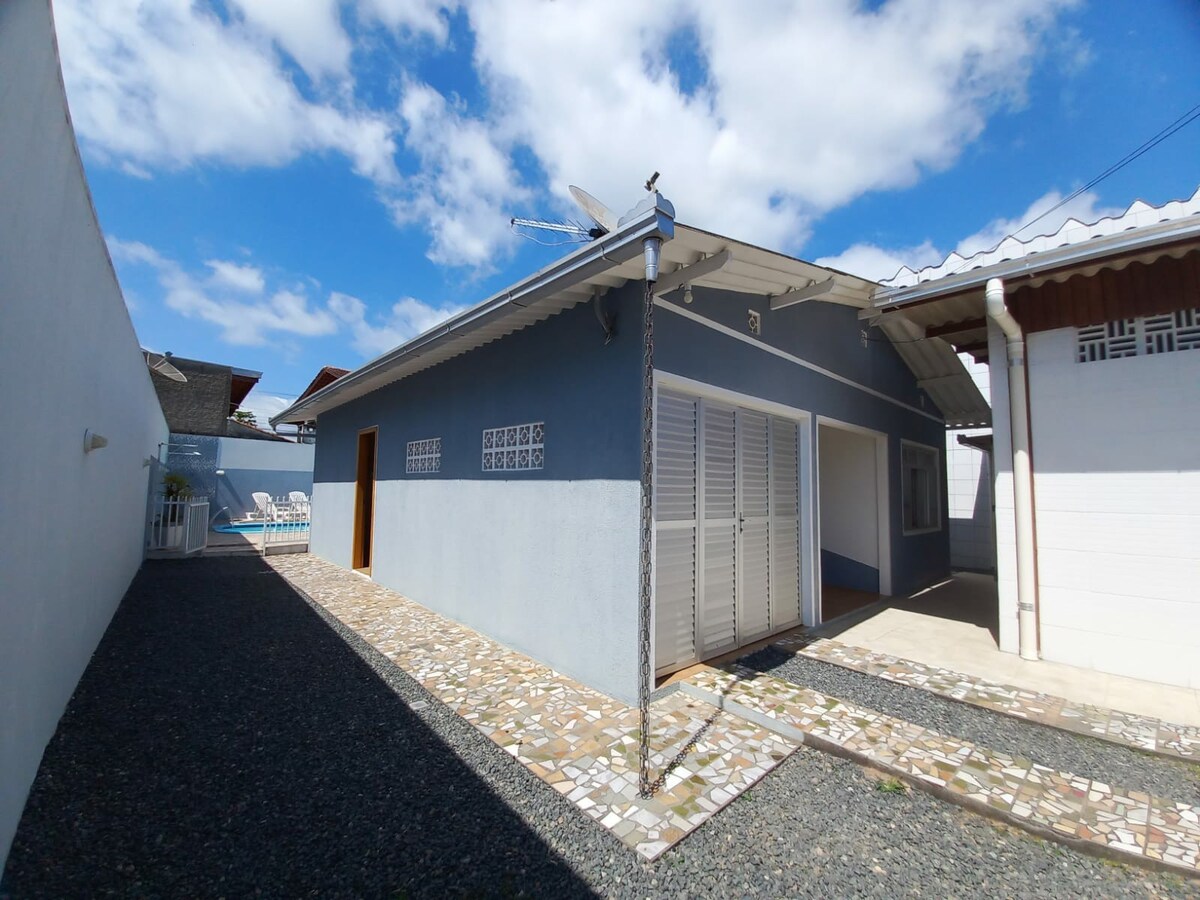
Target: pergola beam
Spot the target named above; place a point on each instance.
(696, 270)
(799, 295)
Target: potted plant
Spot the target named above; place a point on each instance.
(175, 489)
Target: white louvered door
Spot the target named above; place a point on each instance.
(727, 528)
(718, 602)
(785, 523)
(754, 526)
(675, 531)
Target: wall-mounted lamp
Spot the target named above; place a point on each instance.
(93, 441)
(687, 293)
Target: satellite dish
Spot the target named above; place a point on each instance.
(604, 217)
(161, 363)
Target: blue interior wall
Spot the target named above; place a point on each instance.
(828, 335)
(559, 372)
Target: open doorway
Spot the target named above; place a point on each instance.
(364, 501)
(852, 503)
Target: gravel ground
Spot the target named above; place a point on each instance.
(226, 741)
(1110, 763)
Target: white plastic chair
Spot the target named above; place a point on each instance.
(263, 507)
(297, 497)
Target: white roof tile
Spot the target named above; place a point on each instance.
(1139, 214)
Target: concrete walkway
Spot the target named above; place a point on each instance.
(720, 734)
(954, 626)
(1084, 813)
(1145, 733)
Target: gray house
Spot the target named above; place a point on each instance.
(490, 468)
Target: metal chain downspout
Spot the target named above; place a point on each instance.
(646, 786)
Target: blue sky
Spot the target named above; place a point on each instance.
(285, 186)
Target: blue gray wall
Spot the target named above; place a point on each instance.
(827, 335)
(544, 561)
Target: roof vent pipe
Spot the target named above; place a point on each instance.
(1018, 420)
(651, 247)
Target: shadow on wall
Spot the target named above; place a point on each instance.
(225, 739)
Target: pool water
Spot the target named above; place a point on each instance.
(257, 527)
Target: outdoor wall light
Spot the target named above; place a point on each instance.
(93, 441)
(687, 293)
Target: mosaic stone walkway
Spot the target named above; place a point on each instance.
(1128, 729)
(1061, 806)
(581, 742)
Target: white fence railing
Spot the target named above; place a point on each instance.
(178, 525)
(287, 523)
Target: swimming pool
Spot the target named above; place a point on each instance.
(257, 527)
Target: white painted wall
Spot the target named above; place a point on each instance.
(71, 533)
(848, 499)
(969, 490)
(1116, 459)
(266, 456)
(549, 568)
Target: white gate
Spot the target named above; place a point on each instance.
(727, 527)
(286, 527)
(177, 527)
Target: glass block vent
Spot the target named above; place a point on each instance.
(1143, 336)
(514, 448)
(423, 456)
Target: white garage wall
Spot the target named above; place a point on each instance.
(848, 500)
(71, 533)
(1116, 458)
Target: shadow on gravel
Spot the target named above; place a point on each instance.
(225, 741)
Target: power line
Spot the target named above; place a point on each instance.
(1149, 144)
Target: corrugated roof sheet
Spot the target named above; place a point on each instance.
(1138, 215)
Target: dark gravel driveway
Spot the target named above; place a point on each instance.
(227, 740)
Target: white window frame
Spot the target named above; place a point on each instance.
(936, 482)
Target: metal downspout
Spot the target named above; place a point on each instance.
(1018, 415)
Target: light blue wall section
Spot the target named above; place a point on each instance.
(544, 561)
(827, 335)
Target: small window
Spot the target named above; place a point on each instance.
(920, 485)
(423, 456)
(514, 448)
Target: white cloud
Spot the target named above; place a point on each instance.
(1086, 208)
(265, 405)
(246, 278)
(804, 107)
(169, 84)
(465, 185)
(407, 318)
(800, 107)
(409, 17)
(310, 32)
(877, 264)
(242, 321)
(880, 263)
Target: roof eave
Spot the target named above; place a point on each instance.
(604, 253)
(1062, 257)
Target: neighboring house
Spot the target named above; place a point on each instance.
(1093, 340)
(71, 536)
(490, 468)
(224, 459)
(306, 432)
(205, 402)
